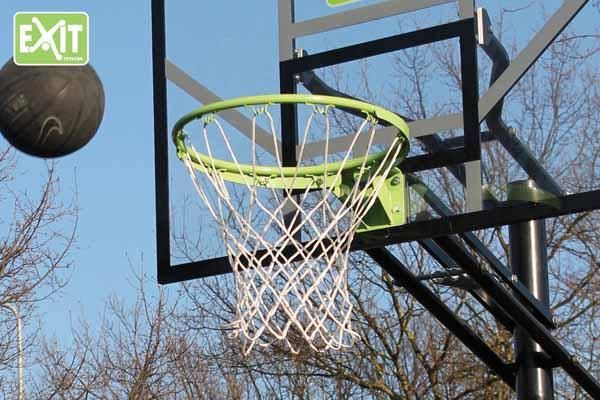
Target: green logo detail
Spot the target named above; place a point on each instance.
(48, 38)
(335, 3)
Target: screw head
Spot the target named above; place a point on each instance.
(396, 180)
(396, 209)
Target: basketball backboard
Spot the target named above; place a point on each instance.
(291, 47)
(361, 49)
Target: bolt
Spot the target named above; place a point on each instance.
(555, 320)
(514, 278)
(396, 209)
(396, 180)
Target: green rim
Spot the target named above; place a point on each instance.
(264, 171)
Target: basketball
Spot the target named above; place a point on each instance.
(50, 111)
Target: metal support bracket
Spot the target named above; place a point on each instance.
(390, 208)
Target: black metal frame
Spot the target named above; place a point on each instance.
(404, 277)
(515, 306)
(470, 148)
(161, 140)
(507, 214)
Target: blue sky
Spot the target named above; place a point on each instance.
(114, 172)
(231, 47)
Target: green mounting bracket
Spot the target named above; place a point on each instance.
(390, 208)
(527, 191)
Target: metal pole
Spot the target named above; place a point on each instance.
(15, 312)
(528, 260)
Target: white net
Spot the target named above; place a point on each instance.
(289, 247)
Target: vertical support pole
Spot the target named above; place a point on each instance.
(287, 84)
(468, 60)
(285, 14)
(473, 186)
(528, 260)
(466, 9)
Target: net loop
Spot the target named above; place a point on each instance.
(209, 118)
(258, 110)
(372, 119)
(321, 109)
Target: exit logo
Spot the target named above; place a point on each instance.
(51, 38)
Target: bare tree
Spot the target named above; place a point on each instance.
(140, 351)
(37, 230)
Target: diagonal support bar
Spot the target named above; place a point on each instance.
(522, 316)
(403, 276)
(449, 264)
(476, 245)
(201, 93)
(521, 64)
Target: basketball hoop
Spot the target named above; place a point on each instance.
(288, 234)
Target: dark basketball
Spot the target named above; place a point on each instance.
(50, 111)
